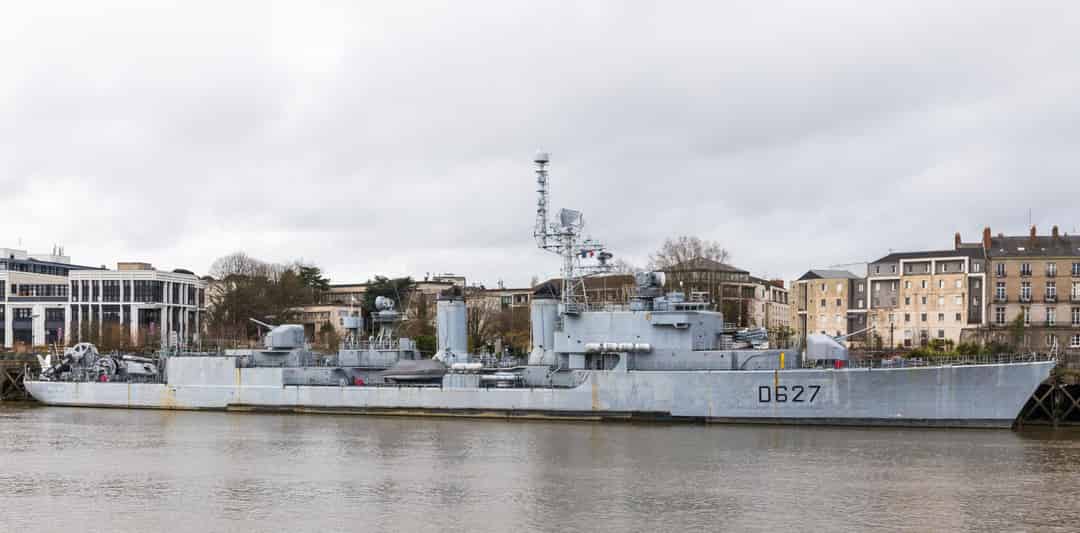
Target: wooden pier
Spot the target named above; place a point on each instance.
(12, 372)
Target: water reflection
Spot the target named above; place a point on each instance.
(148, 470)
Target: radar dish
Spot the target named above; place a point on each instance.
(570, 218)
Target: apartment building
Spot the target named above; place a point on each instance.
(1037, 278)
(769, 308)
(830, 302)
(919, 296)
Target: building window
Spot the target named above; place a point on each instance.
(941, 284)
(823, 302)
(907, 284)
(941, 301)
(1051, 341)
(838, 302)
(907, 317)
(922, 317)
(924, 300)
(1051, 291)
(1051, 269)
(958, 300)
(1025, 291)
(1076, 270)
(1051, 316)
(860, 304)
(1025, 269)
(823, 289)
(959, 284)
(976, 267)
(1075, 343)
(1000, 269)
(941, 317)
(1076, 316)
(924, 283)
(907, 300)
(999, 291)
(892, 317)
(999, 316)
(893, 269)
(941, 334)
(1027, 316)
(958, 318)
(944, 267)
(839, 288)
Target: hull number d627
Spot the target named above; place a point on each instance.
(788, 393)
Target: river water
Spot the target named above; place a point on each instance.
(113, 470)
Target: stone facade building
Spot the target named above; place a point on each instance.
(830, 302)
(1036, 278)
(919, 296)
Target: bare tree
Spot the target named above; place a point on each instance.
(622, 266)
(678, 250)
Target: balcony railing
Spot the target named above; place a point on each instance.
(1051, 298)
(1025, 299)
(1075, 298)
(1001, 299)
(1025, 273)
(1051, 273)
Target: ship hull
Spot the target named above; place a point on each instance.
(952, 396)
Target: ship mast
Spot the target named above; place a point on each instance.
(564, 238)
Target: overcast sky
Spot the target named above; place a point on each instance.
(396, 138)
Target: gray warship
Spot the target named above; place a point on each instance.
(658, 358)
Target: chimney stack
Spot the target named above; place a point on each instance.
(1032, 232)
(1055, 232)
(956, 240)
(986, 238)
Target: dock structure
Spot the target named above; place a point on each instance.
(1055, 403)
(12, 372)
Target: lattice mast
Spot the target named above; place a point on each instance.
(564, 238)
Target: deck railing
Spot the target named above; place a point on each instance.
(950, 360)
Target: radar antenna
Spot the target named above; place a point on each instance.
(563, 237)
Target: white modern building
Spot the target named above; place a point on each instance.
(34, 297)
(138, 300)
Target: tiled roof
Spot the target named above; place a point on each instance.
(821, 273)
(973, 253)
(1025, 246)
(701, 263)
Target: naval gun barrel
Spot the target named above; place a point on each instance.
(261, 323)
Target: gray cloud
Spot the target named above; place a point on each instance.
(397, 139)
